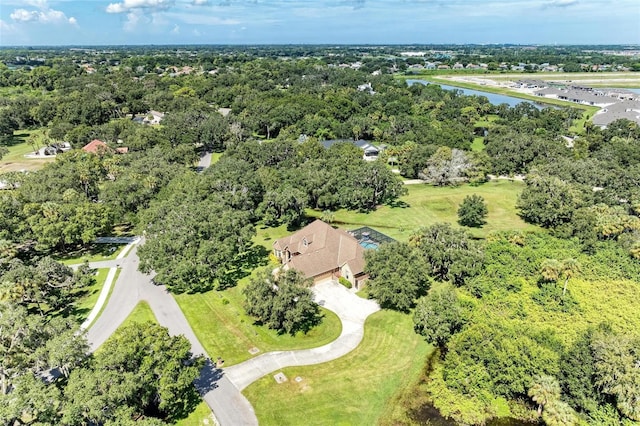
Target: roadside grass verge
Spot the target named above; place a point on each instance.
(140, 314)
(90, 253)
(88, 296)
(425, 205)
(225, 330)
(355, 389)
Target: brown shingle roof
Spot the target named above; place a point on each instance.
(318, 248)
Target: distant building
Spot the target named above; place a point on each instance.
(371, 152)
(629, 110)
(96, 146)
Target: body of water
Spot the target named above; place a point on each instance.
(494, 98)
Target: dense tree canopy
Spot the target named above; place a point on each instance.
(396, 275)
(282, 301)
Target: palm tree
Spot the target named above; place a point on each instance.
(559, 413)
(570, 268)
(544, 390)
(551, 270)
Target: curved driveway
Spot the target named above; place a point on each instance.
(221, 388)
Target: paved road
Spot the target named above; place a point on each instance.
(221, 388)
(205, 161)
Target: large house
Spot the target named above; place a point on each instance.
(322, 252)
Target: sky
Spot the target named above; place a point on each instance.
(118, 22)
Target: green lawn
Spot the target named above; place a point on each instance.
(225, 330)
(478, 144)
(15, 160)
(91, 253)
(425, 205)
(215, 157)
(199, 417)
(87, 297)
(356, 389)
(141, 313)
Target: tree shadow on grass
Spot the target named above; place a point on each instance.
(398, 204)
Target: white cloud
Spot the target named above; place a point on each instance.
(560, 3)
(200, 19)
(128, 5)
(40, 4)
(6, 27)
(44, 16)
(200, 2)
(176, 29)
(132, 21)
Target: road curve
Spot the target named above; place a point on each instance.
(352, 311)
(221, 388)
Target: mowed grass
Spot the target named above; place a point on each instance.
(356, 389)
(201, 416)
(425, 205)
(87, 297)
(225, 330)
(15, 160)
(141, 313)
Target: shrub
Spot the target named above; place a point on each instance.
(345, 282)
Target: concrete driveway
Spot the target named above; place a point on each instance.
(352, 311)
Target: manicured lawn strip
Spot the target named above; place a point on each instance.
(115, 278)
(225, 330)
(199, 417)
(141, 313)
(428, 204)
(89, 296)
(91, 253)
(353, 390)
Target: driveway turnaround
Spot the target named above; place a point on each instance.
(352, 311)
(221, 388)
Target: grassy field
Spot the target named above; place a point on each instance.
(426, 205)
(353, 390)
(91, 253)
(225, 330)
(15, 160)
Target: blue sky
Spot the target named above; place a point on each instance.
(91, 22)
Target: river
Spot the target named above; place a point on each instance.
(494, 98)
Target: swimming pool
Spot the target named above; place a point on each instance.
(369, 245)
